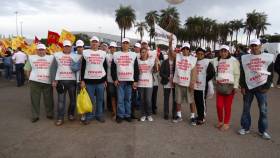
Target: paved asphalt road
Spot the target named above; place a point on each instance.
(159, 139)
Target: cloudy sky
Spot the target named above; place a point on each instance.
(38, 16)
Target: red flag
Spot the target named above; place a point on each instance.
(53, 37)
(36, 40)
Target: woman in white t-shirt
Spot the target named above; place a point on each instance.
(227, 79)
(145, 83)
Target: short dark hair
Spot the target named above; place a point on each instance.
(200, 49)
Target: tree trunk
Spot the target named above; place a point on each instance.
(236, 37)
(231, 36)
(124, 32)
(150, 41)
(121, 34)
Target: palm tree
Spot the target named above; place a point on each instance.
(231, 30)
(125, 17)
(237, 25)
(140, 28)
(251, 24)
(224, 32)
(169, 19)
(262, 24)
(151, 18)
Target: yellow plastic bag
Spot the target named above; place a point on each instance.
(84, 104)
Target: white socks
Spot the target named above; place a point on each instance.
(192, 115)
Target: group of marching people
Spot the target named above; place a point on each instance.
(131, 81)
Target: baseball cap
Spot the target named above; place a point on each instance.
(113, 44)
(79, 43)
(67, 43)
(185, 45)
(255, 41)
(144, 41)
(125, 40)
(41, 46)
(224, 47)
(138, 45)
(94, 38)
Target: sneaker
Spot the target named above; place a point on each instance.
(278, 86)
(143, 118)
(165, 117)
(49, 117)
(33, 120)
(59, 122)
(150, 118)
(177, 119)
(193, 121)
(243, 131)
(265, 135)
(84, 122)
(200, 122)
(71, 118)
(128, 119)
(100, 119)
(119, 120)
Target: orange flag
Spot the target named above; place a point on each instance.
(54, 48)
(66, 35)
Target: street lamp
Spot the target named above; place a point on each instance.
(16, 12)
(21, 28)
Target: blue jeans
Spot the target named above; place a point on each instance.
(96, 93)
(70, 87)
(20, 74)
(262, 103)
(8, 71)
(124, 100)
(146, 101)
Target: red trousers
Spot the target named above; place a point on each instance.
(224, 103)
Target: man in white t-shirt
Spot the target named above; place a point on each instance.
(19, 59)
(65, 81)
(255, 80)
(94, 77)
(38, 70)
(125, 74)
(184, 79)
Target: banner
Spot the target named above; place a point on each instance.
(161, 37)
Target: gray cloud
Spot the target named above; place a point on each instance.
(217, 9)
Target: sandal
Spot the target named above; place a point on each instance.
(219, 125)
(225, 127)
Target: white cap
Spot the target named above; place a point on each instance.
(138, 45)
(224, 47)
(125, 40)
(144, 41)
(113, 44)
(67, 43)
(79, 43)
(185, 45)
(41, 46)
(255, 41)
(94, 38)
